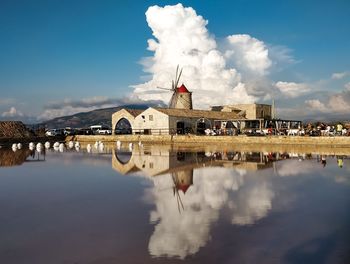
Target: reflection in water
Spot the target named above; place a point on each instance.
(8, 157)
(190, 190)
(220, 203)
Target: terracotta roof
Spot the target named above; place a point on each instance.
(199, 113)
(134, 112)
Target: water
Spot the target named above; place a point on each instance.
(161, 204)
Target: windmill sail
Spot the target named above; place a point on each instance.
(181, 97)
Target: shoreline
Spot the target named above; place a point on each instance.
(337, 141)
(313, 145)
(188, 143)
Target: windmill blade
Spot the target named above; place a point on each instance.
(177, 200)
(182, 205)
(173, 100)
(158, 92)
(178, 79)
(168, 89)
(177, 70)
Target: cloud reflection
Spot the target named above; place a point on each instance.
(182, 234)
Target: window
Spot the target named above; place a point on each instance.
(150, 117)
(151, 165)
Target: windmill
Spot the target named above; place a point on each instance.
(176, 193)
(181, 98)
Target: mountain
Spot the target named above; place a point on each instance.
(86, 119)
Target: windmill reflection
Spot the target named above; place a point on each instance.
(179, 166)
(203, 183)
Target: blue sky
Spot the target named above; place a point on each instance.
(54, 52)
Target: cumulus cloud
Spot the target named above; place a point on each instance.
(181, 37)
(316, 105)
(248, 54)
(338, 103)
(236, 68)
(12, 112)
(340, 75)
(292, 89)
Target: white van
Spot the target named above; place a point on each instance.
(100, 130)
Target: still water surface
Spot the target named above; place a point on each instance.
(157, 204)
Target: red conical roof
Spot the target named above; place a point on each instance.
(182, 89)
(183, 187)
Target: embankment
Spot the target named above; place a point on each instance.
(234, 140)
(295, 144)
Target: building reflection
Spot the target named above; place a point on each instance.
(191, 188)
(157, 160)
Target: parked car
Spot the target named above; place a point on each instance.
(69, 131)
(101, 130)
(51, 133)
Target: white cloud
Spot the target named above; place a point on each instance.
(338, 103)
(294, 168)
(281, 56)
(12, 112)
(181, 234)
(181, 37)
(252, 204)
(339, 75)
(347, 86)
(292, 89)
(236, 69)
(248, 54)
(316, 105)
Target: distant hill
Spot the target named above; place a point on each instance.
(86, 119)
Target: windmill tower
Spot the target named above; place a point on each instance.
(181, 98)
